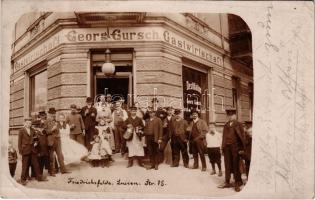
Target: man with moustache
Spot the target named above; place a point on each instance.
(135, 146)
(179, 140)
(153, 132)
(54, 142)
(89, 114)
(197, 136)
(233, 144)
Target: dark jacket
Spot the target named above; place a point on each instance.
(167, 128)
(157, 128)
(136, 122)
(239, 130)
(51, 134)
(89, 118)
(202, 128)
(179, 128)
(25, 141)
(42, 143)
(77, 121)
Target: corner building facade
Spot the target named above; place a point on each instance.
(185, 60)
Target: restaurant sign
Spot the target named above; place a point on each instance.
(96, 35)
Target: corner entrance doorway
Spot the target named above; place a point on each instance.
(118, 86)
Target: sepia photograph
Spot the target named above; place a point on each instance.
(128, 100)
(171, 100)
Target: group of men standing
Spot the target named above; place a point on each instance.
(159, 126)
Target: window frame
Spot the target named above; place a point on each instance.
(31, 86)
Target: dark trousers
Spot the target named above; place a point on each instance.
(231, 163)
(198, 147)
(163, 145)
(89, 134)
(120, 142)
(214, 155)
(178, 145)
(12, 168)
(27, 161)
(77, 137)
(43, 163)
(153, 150)
(56, 147)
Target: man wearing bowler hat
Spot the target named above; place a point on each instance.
(153, 132)
(88, 114)
(54, 142)
(197, 138)
(232, 144)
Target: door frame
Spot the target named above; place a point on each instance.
(117, 75)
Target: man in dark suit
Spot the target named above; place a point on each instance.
(42, 148)
(153, 132)
(166, 115)
(54, 142)
(27, 148)
(197, 138)
(232, 145)
(88, 114)
(246, 155)
(179, 140)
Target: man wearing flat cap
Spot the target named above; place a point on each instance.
(89, 114)
(232, 143)
(197, 138)
(27, 148)
(179, 139)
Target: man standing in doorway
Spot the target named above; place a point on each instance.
(88, 114)
(197, 136)
(232, 143)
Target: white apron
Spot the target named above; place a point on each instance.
(135, 146)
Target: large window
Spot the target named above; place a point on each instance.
(38, 91)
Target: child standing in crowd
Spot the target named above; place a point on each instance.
(107, 143)
(94, 155)
(214, 140)
(12, 159)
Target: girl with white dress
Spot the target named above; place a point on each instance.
(72, 150)
(95, 153)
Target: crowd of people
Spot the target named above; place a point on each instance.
(98, 130)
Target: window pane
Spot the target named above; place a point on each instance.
(39, 92)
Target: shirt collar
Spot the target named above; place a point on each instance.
(196, 120)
